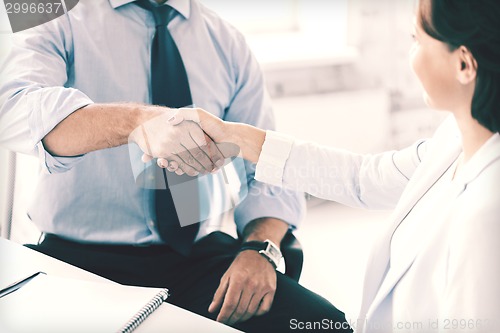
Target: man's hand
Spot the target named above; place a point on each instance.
(184, 143)
(248, 286)
(246, 289)
(215, 129)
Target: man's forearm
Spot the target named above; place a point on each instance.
(97, 126)
(266, 228)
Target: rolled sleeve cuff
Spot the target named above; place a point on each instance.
(273, 157)
(55, 164)
(48, 107)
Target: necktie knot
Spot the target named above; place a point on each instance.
(162, 14)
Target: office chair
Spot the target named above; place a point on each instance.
(293, 255)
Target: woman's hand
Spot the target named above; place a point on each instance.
(219, 132)
(161, 138)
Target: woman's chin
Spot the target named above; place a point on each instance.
(428, 101)
(432, 105)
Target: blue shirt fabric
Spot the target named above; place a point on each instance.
(99, 52)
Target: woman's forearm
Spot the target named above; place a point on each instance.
(249, 138)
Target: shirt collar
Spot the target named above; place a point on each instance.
(181, 6)
(486, 155)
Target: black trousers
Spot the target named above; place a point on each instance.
(193, 280)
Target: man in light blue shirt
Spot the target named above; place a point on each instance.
(70, 93)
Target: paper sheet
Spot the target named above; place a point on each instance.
(51, 304)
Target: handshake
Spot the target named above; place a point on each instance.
(187, 141)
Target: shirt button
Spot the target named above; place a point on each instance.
(151, 223)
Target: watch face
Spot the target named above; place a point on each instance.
(274, 252)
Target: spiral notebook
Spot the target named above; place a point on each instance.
(53, 304)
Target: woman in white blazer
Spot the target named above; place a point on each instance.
(436, 267)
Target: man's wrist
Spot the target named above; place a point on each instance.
(141, 115)
(264, 228)
(145, 113)
(267, 249)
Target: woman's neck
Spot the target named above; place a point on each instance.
(474, 135)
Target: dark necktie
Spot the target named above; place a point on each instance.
(170, 87)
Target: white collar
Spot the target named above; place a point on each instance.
(181, 6)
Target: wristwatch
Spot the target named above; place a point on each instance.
(267, 249)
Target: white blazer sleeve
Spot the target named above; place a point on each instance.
(369, 181)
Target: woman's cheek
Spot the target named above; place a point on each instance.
(416, 63)
(412, 56)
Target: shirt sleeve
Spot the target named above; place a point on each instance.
(33, 93)
(273, 157)
(251, 104)
(373, 181)
(368, 181)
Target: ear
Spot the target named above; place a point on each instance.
(467, 70)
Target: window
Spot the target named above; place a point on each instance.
(257, 17)
(286, 32)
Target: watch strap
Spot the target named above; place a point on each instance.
(260, 247)
(253, 245)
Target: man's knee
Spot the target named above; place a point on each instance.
(296, 308)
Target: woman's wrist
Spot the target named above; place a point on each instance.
(249, 138)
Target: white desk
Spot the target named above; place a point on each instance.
(167, 317)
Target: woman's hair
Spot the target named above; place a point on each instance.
(474, 24)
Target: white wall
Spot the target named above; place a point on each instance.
(354, 120)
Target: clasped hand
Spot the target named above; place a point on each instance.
(179, 143)
(191, 142)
